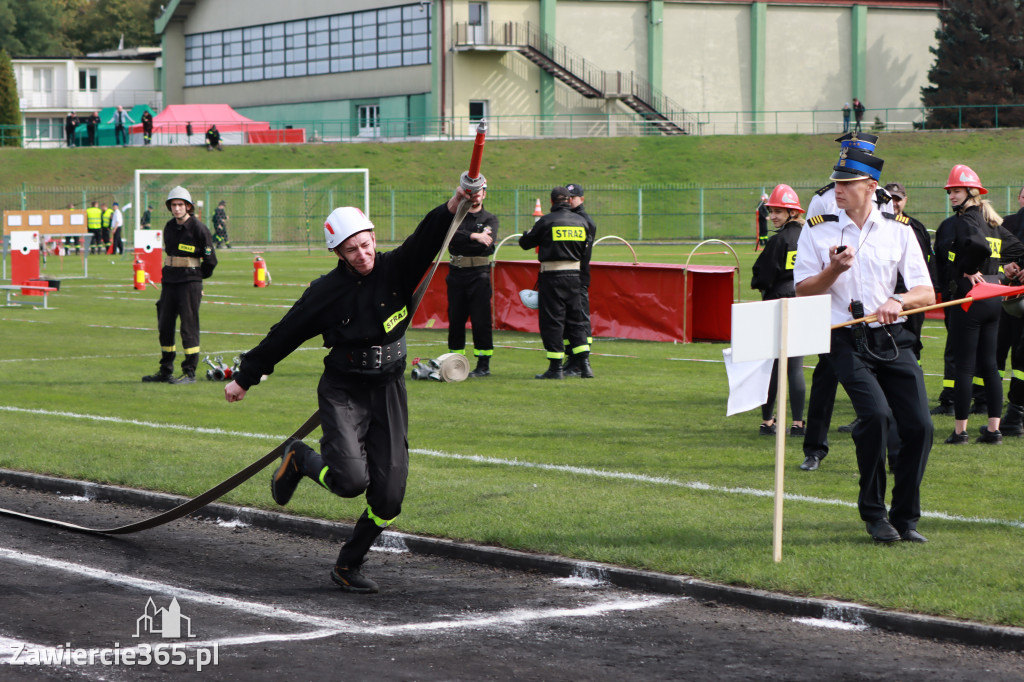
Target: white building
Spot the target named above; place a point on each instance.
(51, 87)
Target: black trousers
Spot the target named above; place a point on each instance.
(797, 390)
(820, 403)
(974, 334)
(179, 302)
(883, 393)
(469, 299)
(1011, 342)
(364, 448)
(118, 242)
(561, 312)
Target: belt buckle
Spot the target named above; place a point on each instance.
(375, 357)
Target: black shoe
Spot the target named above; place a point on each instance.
(1012, 423)
(585, 371)
(184, 379)
(848, 428)
(571, 368)
(911, 535)
(550, 374)
(797, 431)
(480, 372)
(810, 463)
(979, 408)
(767, 430)
(882, 531)
(942, 408)
(958, 438)
(159, 378)
(989, 437)
(286, 479)
(351, 580)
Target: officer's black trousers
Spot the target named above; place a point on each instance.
(469, 299)
(884, 392)
(364, 448)
(561, 312)
(179, 302)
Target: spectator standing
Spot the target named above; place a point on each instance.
(188, 132)
(147, 218)
(120, 119)
(70, 123)
(469, 284)
(761, 215)
(117, 227)
(90, 127)
(858, 113)
(846, 117)
(572, 367)
(94, 226)
(188, 260)
(362, 308)
(147, 127)
(213, 138)
(106, 216)
(971, 250)
(773, 277)
(561, 236)
(843, 257)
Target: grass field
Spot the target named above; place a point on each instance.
(638, 467)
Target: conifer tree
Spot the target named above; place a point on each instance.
(10, 111)
(979, 60)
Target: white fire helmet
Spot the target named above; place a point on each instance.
(343, 223)
(530, 298)
(180, 192)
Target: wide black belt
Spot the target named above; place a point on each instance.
(371, 357)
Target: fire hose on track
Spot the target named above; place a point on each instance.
(471, 181)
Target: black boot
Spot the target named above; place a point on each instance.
(1013, 423)
(165, 374)
(583, 363)
(554, 370)
(483, 366)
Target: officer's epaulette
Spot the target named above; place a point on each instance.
(898, 218)
(822, 218)
(826, 188)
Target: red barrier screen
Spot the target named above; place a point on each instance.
(643, 301)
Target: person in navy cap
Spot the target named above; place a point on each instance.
(855, 256)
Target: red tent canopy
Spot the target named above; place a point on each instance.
(173, 119)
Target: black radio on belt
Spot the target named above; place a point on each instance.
(859, 330)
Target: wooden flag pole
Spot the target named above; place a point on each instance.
(780, 427)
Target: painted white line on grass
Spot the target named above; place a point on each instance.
(481, 459)
(327, 626)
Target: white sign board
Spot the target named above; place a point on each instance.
(757, 328)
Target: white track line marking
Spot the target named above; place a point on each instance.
(561, 468)
(326, 626)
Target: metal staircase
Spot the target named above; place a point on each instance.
(659, 111)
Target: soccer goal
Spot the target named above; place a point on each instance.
(264, 206)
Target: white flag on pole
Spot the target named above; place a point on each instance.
(748, 383)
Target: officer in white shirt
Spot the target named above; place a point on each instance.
(855, 256)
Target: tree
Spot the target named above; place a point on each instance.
(30, 27)
(979, 60)
(10, 111)
(100, 25)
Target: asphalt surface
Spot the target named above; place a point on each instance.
(254, 593)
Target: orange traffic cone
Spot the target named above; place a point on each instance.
(537, 211)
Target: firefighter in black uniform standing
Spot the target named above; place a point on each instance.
(572, 367)
(562, 238)
(1011, 339)
(469, 284)
(362, 308)
(188, 260)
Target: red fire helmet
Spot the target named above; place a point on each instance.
(783, 196)
(963, 176)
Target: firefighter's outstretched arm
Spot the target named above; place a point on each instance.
(233, 392)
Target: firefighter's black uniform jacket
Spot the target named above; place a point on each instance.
(469, 284)
(182, 290)
(361, 395)
(773, 269)
(562, 240)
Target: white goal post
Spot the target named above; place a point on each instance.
(139, 172)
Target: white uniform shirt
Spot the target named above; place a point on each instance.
(116, 220)
(881, 248)
(822, 204)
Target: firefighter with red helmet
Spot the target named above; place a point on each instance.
(362, 309)
(188, 260)
(773, 276)
(971, 247)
